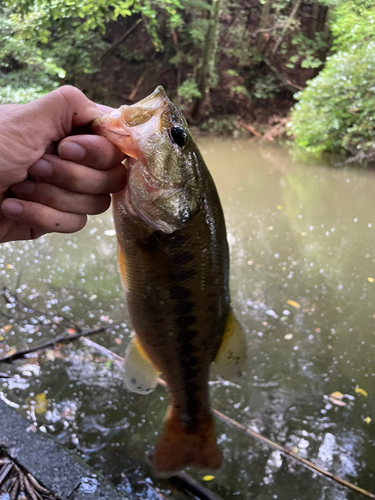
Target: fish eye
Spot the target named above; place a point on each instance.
(179, 136)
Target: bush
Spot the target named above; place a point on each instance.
(336, 111)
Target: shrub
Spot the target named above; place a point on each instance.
(336, 111)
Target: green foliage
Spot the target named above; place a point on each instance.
(265, 86)
(188, 90)
(353, 23)
(46, 43)
(336, 112)
(308, 50)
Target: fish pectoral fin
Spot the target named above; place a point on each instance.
(121, 267)
(232, 354)
(140, 374)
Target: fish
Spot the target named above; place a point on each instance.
(173, 261)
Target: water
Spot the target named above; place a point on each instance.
(302, 242)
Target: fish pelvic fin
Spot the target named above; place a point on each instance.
(180, 446)
(232, 354)
(121, 266)
(140, 373)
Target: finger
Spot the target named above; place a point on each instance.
(104, 108)
(42, 218)
(61, 199)
(79, 178)
(91, 150)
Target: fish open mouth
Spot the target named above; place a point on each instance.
(127, 126)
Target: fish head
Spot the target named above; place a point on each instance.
(162, 160)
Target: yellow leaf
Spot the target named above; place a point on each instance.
(9, 266)
(208, 478)
(371, 280)
(337, 395)
(293, 303)
(279, 207)
(303, 233)
(41, 403)
(368, 420)
(358, 390)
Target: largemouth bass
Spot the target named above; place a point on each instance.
(174, 263)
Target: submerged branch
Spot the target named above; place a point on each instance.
(62, 339)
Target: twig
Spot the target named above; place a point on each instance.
(290, 453)
(118, 42)
(135, 89)
(266, 30)
(229, 421)
(281, 77)
(186, 482)
(62, 339)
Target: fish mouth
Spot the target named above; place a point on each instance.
(126, 126)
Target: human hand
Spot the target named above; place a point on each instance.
(63, 187)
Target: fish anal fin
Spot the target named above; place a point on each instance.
(231, 356)
(180, 447)
(140, 374)
(121, 267)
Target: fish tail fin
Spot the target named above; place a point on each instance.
(182, 446)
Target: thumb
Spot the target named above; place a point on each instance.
(62, 109)
(28, 129)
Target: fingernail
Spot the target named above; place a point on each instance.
(25, 187)
(41, 168)
(71, 151)
(12, 208)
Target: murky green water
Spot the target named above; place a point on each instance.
(303, 234)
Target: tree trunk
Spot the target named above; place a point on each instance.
(208, 58)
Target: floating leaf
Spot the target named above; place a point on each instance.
(371, 280)
(6, 328)
(337, 395)
(293, 303)
(368, 420)
(9, 266)
(41, 403)
(288, 336)
(208, 478)
(358, 390)
(279, 207)
(337, 402)
(71, 331)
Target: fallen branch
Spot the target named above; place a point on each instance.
(248, 128)
(62, 339)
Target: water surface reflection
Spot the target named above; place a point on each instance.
(302, 245)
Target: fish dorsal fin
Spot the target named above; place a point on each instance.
(121, 267)
(140, 374)
(231, 356)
